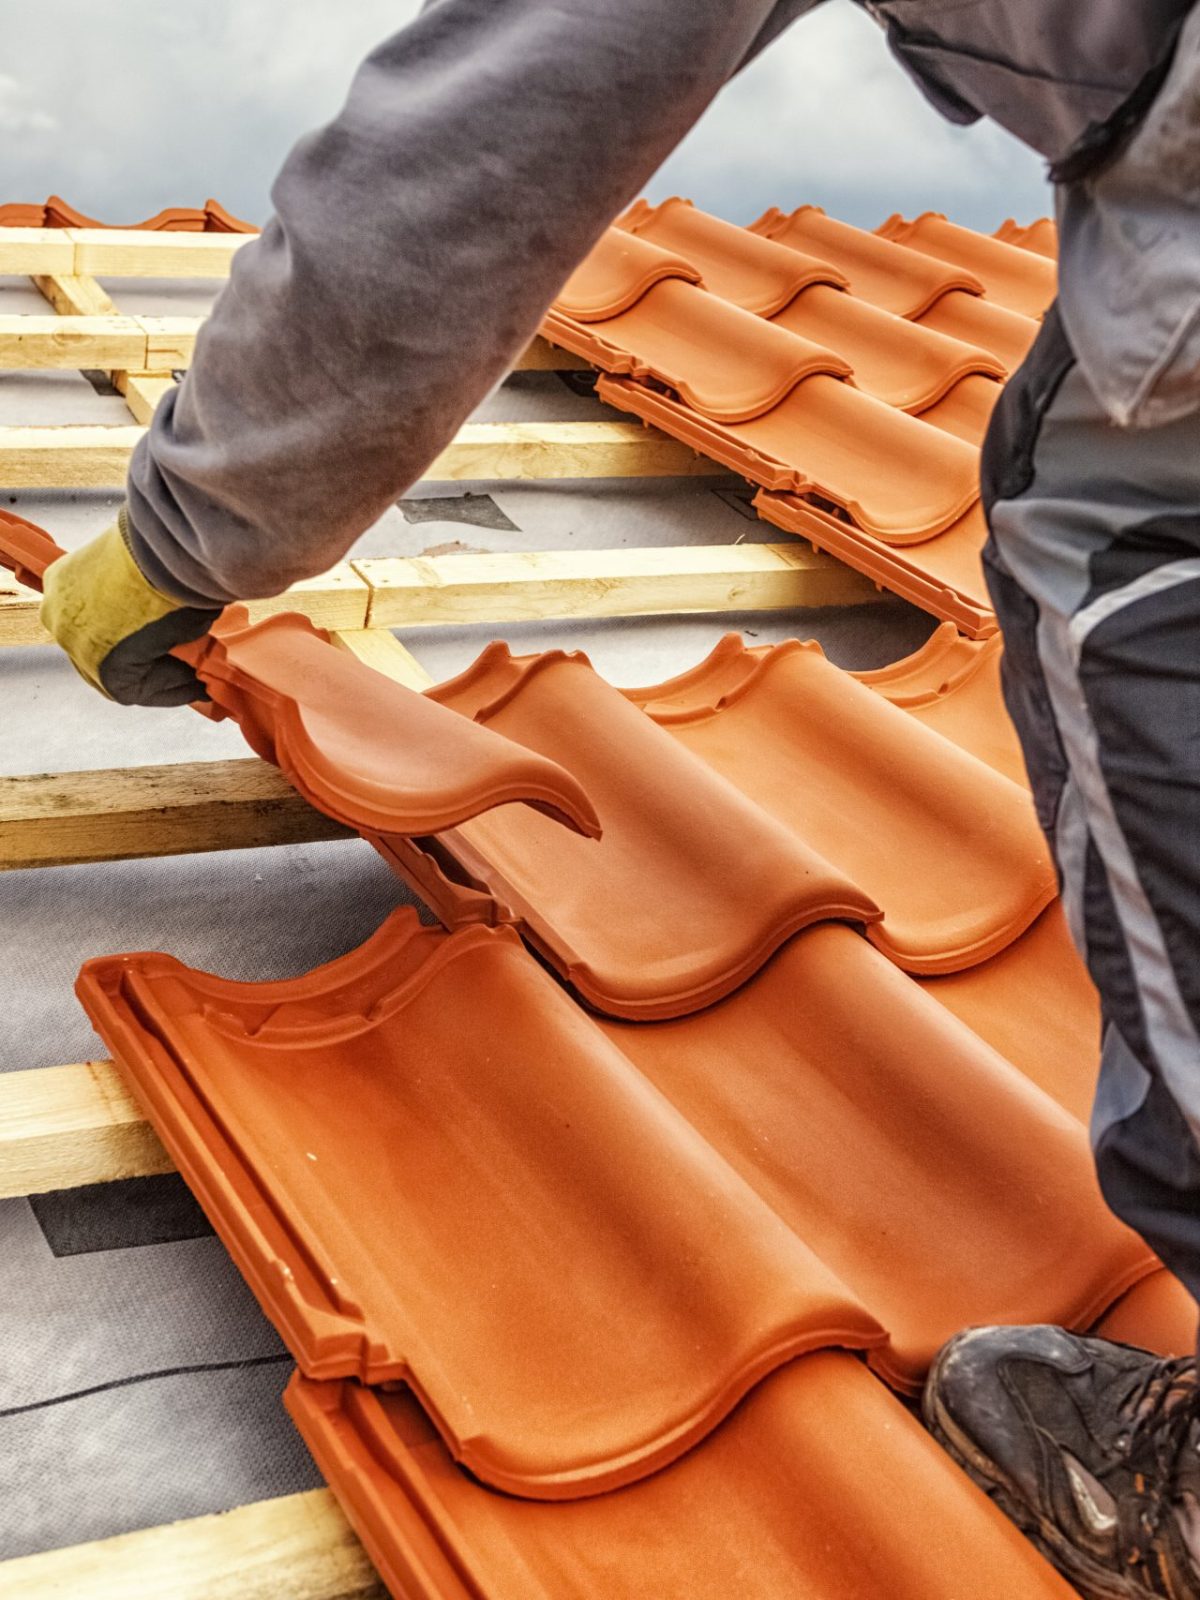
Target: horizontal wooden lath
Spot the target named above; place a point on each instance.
(148, 344)
(471, 586)
(465, 587)
(87, 457)
(128, 813)
(63, 1127)
(299, 1547)
(109, 340)
(118, 252)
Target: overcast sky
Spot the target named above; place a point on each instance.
(125, 106)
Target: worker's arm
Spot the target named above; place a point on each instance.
(417, 242)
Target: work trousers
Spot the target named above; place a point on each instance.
(1093, 563)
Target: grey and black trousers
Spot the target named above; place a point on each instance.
(1093, 563)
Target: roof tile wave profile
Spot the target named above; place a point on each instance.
(733, 819)
(361, 748)
(848, 372)
(1041, 236)
(813, 1487)
(56, 213)
(394, 1172)
(1018, 279)
(756, 274)
(904, 282)
(694, 884)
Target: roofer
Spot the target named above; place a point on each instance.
(417, 242)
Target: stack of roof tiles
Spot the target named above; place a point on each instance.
(850, 374)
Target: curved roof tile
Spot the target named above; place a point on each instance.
(726, 363)
(976, 321)
(813, 1487)
(441, 1090)
(895, 476)
(900, 280)
(438, 1101)
(829, 759)
(1041, 236)
(899, 362)
(362, 748)
(616, 274)
(752, 272)
(1017, 279)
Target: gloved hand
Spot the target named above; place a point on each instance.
(118, 629)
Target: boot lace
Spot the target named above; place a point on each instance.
(1164, 1405)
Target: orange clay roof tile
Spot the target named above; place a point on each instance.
(630, 922)
(1019, 279)
(26, 550)
(364, 749)
(729, 383)
(943, 576)
(1041, 236)
(813, 1487)
(906, 282)
(952, 684)
(616, 274)
(219, 220)
(17, 215)
(324, 1118)
(752, 272)
(982, 323)
(859, 1174)
(829, 760)
(1053, 1033)
(965, 409)
(372, 1113)
(897, 477)
(817, 424)
(726, 363)
(901, 363)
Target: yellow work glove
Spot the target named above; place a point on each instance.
(117, 628)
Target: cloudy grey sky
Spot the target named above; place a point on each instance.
(125, 106)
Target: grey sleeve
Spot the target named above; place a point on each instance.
(416, 243)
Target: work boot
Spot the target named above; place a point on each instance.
(1091, 1448)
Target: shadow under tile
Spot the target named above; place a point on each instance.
(132, 1214)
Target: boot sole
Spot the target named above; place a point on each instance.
(1093, 1582)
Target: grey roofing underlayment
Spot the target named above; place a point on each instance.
(139, 1383)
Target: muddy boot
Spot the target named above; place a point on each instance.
(1091, 1448)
